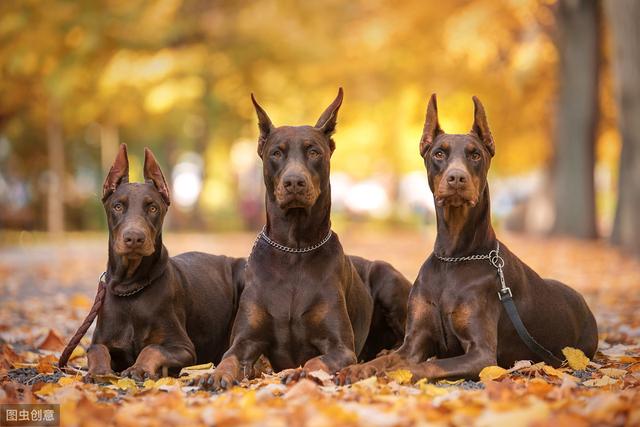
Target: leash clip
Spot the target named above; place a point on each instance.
(505, 293)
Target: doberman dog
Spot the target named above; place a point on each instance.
(456, 324)
(155, 312)
(304, 303)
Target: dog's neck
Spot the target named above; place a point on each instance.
(126, 273)
(299, 228)
(465, 230)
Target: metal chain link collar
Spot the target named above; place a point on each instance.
(494, 258)
(284, 248)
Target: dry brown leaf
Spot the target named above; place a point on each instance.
(45, 364)
(52, 342)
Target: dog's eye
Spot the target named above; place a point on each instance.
(118, 207)
(153, 209)
(439, 155)
(475, 157)
(313, 153)
(276, 154)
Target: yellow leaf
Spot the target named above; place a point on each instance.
(613, 372)
(370, 382)
(449, 382)
(401, 376)
(47, 389)
(199, 367)
(166, 381)
(492, 373)
(126, 384)
(148, 384)
(77, 352)
(550, 370)
(576, 358)
(430, 389)
(67, 380)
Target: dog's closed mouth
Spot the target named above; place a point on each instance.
(455, 200)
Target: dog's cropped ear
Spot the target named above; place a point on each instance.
(431, 126)
(328, 119)
(481, 126)
(264, 123)
(118, 174)
(153, 174)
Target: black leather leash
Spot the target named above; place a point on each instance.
(506, 298)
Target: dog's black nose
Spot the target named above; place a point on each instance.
(294, 183)
(133, 238)
(456, 178)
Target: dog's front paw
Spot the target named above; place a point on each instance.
(96, 375)
(140, 373)
(355, 373)
(217, 380)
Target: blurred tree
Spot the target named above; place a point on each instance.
(577, 117)
(623, 18)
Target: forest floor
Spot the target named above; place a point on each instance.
(46, 289)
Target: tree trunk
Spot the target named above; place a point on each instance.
(623, 19)
(55, 191)
(577, 118)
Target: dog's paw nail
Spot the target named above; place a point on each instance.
(223, 383)
(236, 382)
(303, 374)
(347, 381)
(210, 381)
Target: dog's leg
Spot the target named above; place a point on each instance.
(475, 325)
(250, 340)
(419, 343)
(153, 358)
(99, 361)
(237, 363)
(333, 337)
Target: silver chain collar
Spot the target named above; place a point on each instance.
(262, 235)
(494, 258)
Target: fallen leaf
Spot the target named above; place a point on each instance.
(52, 342)
(430, 389)
(550, 370)
(613, 372)
(576, 358)
(492, 373)
(321, 375)
(45, 365)
(47, 389)
(600, 382)
(126, 384)
(370, 382)
(199, 367)
(401, 376)
(77, 352)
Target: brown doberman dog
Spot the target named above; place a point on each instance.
(155, 312)
(304, 303)
(456, 324)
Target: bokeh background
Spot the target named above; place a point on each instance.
(560, 81)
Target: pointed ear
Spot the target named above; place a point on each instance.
(118, 174)
(153, 174)
(264, 123)
(327, 121)
(431, 127)
(481, 126)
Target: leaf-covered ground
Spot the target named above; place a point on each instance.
(46, 288)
